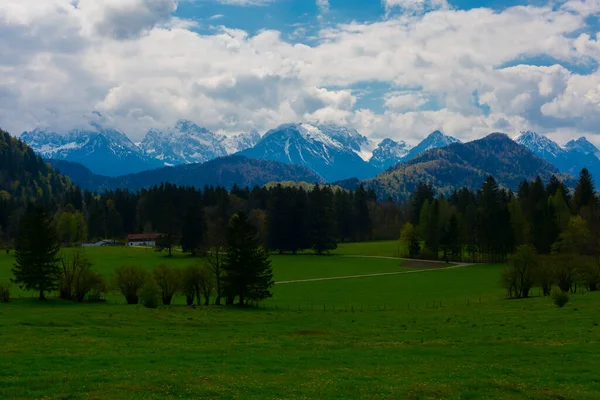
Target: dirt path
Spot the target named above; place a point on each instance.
(379, 274)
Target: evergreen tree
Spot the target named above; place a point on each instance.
(322, 223)
(193, 229)
(299, 222)
(423, 193)
(342, 204)
(361, 212)
(278, 219)
(37, 247)
(248, 272)
(169, 230)
(585, 193)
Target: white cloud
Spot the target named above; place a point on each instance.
(323, 5)
(216, 16)
(415, 5)
(60, 60)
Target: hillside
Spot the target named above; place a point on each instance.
(79, 174)
(467, 164)
(24, 175)
(225, 171)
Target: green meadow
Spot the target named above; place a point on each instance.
(414, 333)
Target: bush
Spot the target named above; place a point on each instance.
(560, 298)
(150, 294)
(168, 280)
(129, 279)
(97, 289)
(190, 283)
(4, 292)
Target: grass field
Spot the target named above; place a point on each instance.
(399, 346)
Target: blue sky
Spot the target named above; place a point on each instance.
(389, 68)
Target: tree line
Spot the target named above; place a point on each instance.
(288, 219)
(240, 270)
(547, 233)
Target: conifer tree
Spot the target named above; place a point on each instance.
(37, 247)
(585, 193)
(193, 230)
(248, 272)
(322, 223)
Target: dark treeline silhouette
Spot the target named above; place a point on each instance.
(288, 219)
(489, 224)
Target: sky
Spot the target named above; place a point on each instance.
(389, 68)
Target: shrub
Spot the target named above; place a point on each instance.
(590, 274)
(98, 288)
(4, 292)
(129, 279)
(190, 283)
(150, 294)
(560, 298)
(168, 280)
(521, 272)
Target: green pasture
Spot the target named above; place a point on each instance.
(414, 335)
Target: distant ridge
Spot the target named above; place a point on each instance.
(225, 171)
(465, 164)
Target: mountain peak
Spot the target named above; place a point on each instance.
(583, 145)
(540, 145)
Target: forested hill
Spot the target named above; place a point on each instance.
(24, 176)
(225, 172)
(465, 165)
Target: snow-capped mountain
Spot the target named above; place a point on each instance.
(331, 152)
(243, 141)
(188, 143)
(389, 153)
(103, 151)
(435, 140)
(582, 145)
(540, 145)
(571, 158)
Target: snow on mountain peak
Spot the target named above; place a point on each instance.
(539, 144)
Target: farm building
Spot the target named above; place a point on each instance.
(142, 239)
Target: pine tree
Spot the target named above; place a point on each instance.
(278, 219)
(322, 223)
(169, 230)
(248, 272)
(37, 247)
(193, 229)
(585, 194)
(362, 217)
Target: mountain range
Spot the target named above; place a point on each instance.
(332, 152)
(570, 158)
(464, 165)
(111, 153)
(225, 171)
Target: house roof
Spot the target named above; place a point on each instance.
(143, 236)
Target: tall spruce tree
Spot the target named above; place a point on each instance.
(585, 193)
(36, 267)
(193, 230)
(169, 230)
(248, 272)
(361, 212)
(322, 222)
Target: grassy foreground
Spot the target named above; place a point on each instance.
(399, 346)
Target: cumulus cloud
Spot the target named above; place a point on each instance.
(323, 5)
(130, 60)
(415, 5)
